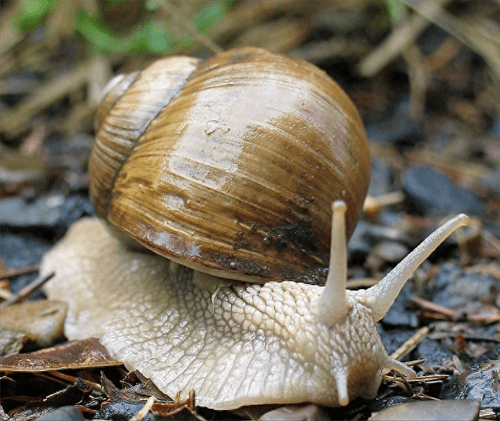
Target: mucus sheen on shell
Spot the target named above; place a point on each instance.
(230, 165)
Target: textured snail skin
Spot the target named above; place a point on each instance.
(248, 344)
(244, 344)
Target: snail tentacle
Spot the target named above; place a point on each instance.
(381, 296)
(333, 306)
(401, 368)
(340, 375)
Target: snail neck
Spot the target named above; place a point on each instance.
(207, 282)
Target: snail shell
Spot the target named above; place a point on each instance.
(230, 165)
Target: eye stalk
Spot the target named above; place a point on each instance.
(333, 305)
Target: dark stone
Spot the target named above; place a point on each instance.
(122, 411)
(491, 180)
(398, 129)
(399, 315)
(359, 244)
(481, 383)
(492, 354)
(392, 339)
(30, 228)
(45, 212)
(460, 291)
(20, 250)
(75, 206)
(40, 212)
(381, 179)
(66, 413)
(381, 404)
(367, 235)
(432, 352)
(429, 192)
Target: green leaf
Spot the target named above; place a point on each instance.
(147, 37)
(151, 5)
(150, 37)
(96, 32)
(397, 10)
(211, 14)
(32, 13)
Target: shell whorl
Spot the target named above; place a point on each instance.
(129, 104)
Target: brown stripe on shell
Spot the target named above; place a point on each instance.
(124, 114)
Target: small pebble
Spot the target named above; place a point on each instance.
(66, 413)
(491, 180)
(389, 251)
(396, 127)
(382, 178)
(400, 314)
(453, 410)
(393, 338)
(121, 410)
(296, 413)
(11, 341)
(42, 211)
(49, 211)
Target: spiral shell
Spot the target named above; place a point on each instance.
(230, 165)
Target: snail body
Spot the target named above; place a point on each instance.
(246, 344)
(188, 321)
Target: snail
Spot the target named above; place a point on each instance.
(245, 174)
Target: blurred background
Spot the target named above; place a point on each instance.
(424, 74)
